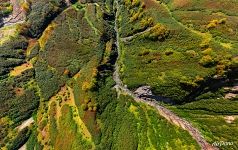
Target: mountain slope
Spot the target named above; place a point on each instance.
(140, 74)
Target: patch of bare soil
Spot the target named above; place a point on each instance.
(26, 123)
(180, 3)
(150, 4)
(230, 119)
(19, 91)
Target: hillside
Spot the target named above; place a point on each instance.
(118, 74)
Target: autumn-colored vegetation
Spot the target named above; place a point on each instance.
(58, 68)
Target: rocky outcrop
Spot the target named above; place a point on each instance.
(232, 91)
(143, 91)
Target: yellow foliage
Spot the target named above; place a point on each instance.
(198, 79)
(146, 22)
(234, 62)
(5, 121)
(10, 8)
(158, 32)
(107, 51)
(135, 2)
(86, 86)
(206, 60)
(127, 2)
(191, 53)
(109, 46)
(46, 34)
(226, 45)
(212, 24)
(205, 43)
(94, 72)
(215, 22)
(26, 6)
(135, 16)
(220, 69)
(94, 108)
(90, 109)
(142, 5)
(207, 51)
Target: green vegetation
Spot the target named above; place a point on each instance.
(184, 50)
(5, 8)
(42, 12)
(18, 101)
(33, 142)
(158, 32)
(210, 116)
(141, 127)
(12, 54)
(21, 138)
(70, 138)
(170, 57)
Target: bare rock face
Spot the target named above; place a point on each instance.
(230, 119)
(235, 89)
(232, 92)
(143, 91)
(230, 96)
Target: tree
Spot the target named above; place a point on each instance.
(157, 32)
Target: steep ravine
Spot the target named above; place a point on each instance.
(167, 114)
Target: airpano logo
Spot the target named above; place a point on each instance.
(222, 143)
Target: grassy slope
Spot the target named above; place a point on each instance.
(144, 62)
(210, 117)
(141, 127)
(112, 133)
(210, 114)
(61, 62)
(93, 116)
(172, 67)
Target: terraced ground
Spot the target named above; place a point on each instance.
(68, 70)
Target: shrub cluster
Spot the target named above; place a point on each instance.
(216, 22)
(157, 32)
(20, 140)
(5, 8)
(134, 18)
(89, 105)
(40, 15)
(12, 54)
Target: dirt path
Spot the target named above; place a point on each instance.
(26, 123)
(129, 38)
(23, 147)
(167, 114)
